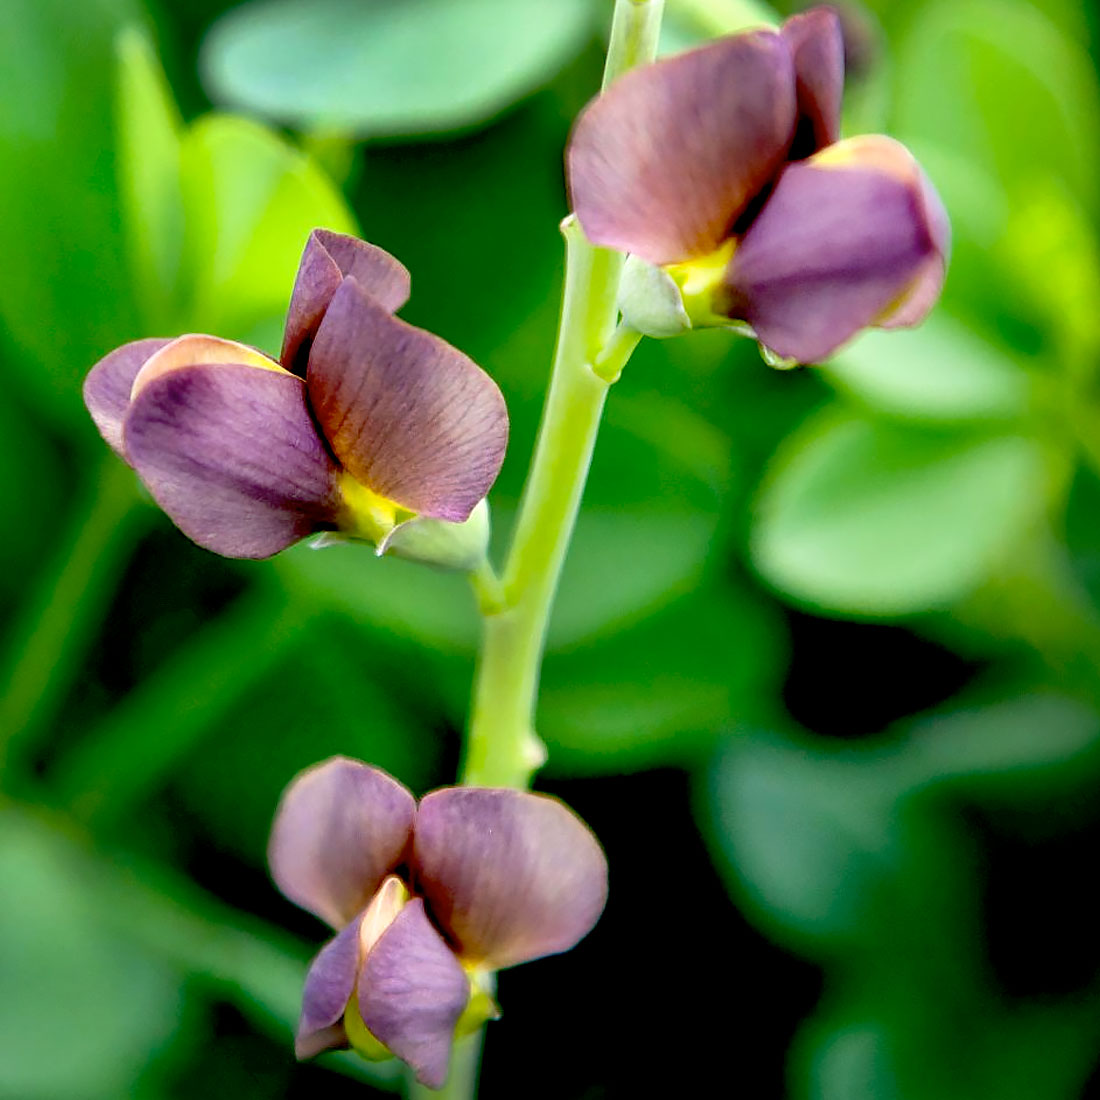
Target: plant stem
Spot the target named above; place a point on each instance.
(59, 619)
(502, 748)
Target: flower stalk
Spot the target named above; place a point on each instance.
(502, 748)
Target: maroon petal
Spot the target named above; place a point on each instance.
(664, 162)
(816, 42)
(341, 827)
(330, 983)
(412, 992)
(107, 387)
(327, 258)
(925, 289)
(844, 239)
(410, 417)
(230, 452)
(510, 875)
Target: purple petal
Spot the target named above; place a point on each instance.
(412, 992)
(327, 258)
(510, 875)
(232, 455)
(664, 162)
(107, 387)
(330, 983)
(408, 415)
(816, 42)
(340, 829)
(925, 289)
(843, 239)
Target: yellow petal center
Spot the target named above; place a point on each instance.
(367, 514)
(702, 284)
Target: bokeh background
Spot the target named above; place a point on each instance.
(825, 671)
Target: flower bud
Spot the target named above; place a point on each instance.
(650, 301)
(457, 546)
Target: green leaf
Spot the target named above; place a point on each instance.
(869, 518)
(1016, 744)
(377, 67)
(149, 133)
(661, 693)
(326, 697)
(85, 1007)
(996, 82)
(809, 841)
(64, 295)
(938, 372)
(624, 565)
(34, 504)
(251, 200)
(852, 1062)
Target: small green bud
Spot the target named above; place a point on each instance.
(650, 301)
(459, 546)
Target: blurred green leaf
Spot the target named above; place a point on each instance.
(34, 503)
(149, 133)
(940, 372)
(660, 692)
(1050, 250)
(869, 518)
(810, 841)
(1016, 745)
(324, 698)
(852, 1062)
(250, 200)
(84, 1007)
(116, 764)
(999, 84)
(896, 1045)
(373, 67)
(64, 296)
(620, 567)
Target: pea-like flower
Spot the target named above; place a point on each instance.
(366, 426)
(722, 167)
(429, 899)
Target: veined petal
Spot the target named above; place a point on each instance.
(412, 991)
(107, 387)
(409, 416)
(669, 157)
(816, 42)
(197, 348)
(843, 239)
(231, 454)
(340, 829)
(510, 875)
(330, 983)
(327, 258)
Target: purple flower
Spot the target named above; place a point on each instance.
(429, 899)
(366, 426)
(722, 166)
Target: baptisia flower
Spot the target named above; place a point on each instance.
(720, 171)
(366, 425)
(428, 899)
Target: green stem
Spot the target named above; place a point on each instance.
(502, 748)
(59, 620)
